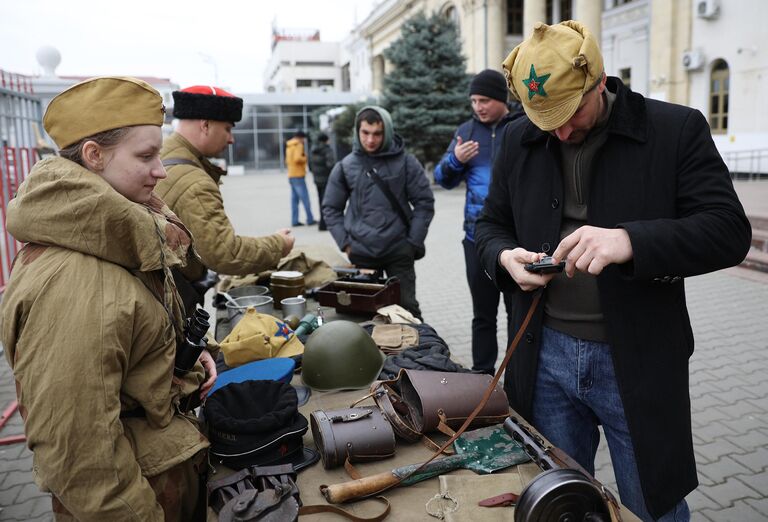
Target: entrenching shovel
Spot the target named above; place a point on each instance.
(483, 451)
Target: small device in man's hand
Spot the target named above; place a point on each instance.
(545, 266)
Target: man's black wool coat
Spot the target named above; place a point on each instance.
(660, 177)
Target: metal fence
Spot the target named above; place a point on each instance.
(20, 119)
(747, 164)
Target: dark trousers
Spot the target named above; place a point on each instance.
(320, 193)
(485, 308)
(397, 263)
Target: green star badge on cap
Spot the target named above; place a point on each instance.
(571, 57)
(535, 84)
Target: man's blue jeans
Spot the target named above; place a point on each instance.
(576, 391)
(299, 192)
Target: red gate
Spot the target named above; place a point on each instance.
(20, 117)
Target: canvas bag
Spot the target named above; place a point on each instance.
(259, 336)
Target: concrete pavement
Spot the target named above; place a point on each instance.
(728, 371)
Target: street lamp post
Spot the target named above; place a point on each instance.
(211, 61)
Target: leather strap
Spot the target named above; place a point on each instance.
(506, 499)
(371, 173)
(486, 396)
(330, 508)
(434, 446)
(351, 469)
(170, 162)
(442, 426)
(384, 396)
(243, 486)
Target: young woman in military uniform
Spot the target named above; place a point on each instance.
(91, 317)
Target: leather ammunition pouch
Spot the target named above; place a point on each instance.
(418, 401)
(357, 434)
(266, 493)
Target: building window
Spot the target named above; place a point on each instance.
(615, 3)
(719, 85)
(450, 12)
(325, 83)
(559, 10)
(515, 17)
(303, 83)
(626, 77)
(345, 80)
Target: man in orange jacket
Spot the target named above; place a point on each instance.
(296, 161)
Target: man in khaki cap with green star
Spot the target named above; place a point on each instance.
(632, 195)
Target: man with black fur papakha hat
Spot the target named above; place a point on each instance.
(206, 117)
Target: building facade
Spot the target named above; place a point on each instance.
(727, 77)
(270, 119)
(701, 53)
(488, 29)
(301, 62)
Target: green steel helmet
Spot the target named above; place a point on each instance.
(340, 355)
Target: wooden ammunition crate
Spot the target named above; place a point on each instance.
(359, 298)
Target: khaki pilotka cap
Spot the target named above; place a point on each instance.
(101, 104)
(551, 70)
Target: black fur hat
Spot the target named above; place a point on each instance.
(203, 102)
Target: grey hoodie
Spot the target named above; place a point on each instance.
(370, 226)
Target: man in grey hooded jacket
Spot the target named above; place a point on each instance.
(377, 175)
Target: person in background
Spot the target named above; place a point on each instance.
(469, 158)
(321, 162)
(390, 203)
(91, 319)
(296, 161)
(206, 116)
(632, 194)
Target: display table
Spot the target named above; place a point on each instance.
(409, 502)
(223, 326)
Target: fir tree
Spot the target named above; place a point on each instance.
(344, 126)
(426, 93)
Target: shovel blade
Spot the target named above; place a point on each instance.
(489, 449)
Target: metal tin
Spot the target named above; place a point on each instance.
(286, 283)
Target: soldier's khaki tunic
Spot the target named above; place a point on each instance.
(192, 192)
(88, 333)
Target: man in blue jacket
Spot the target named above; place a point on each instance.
(390, 203)
(469, 158)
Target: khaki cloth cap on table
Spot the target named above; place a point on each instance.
(101, 104)
(551, 70)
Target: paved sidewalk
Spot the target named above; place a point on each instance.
(728, 376)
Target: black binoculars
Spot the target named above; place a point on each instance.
(194, 342)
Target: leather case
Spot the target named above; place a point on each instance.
(266, 493)
(359, 298)
(360, 434)
(427, 395)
